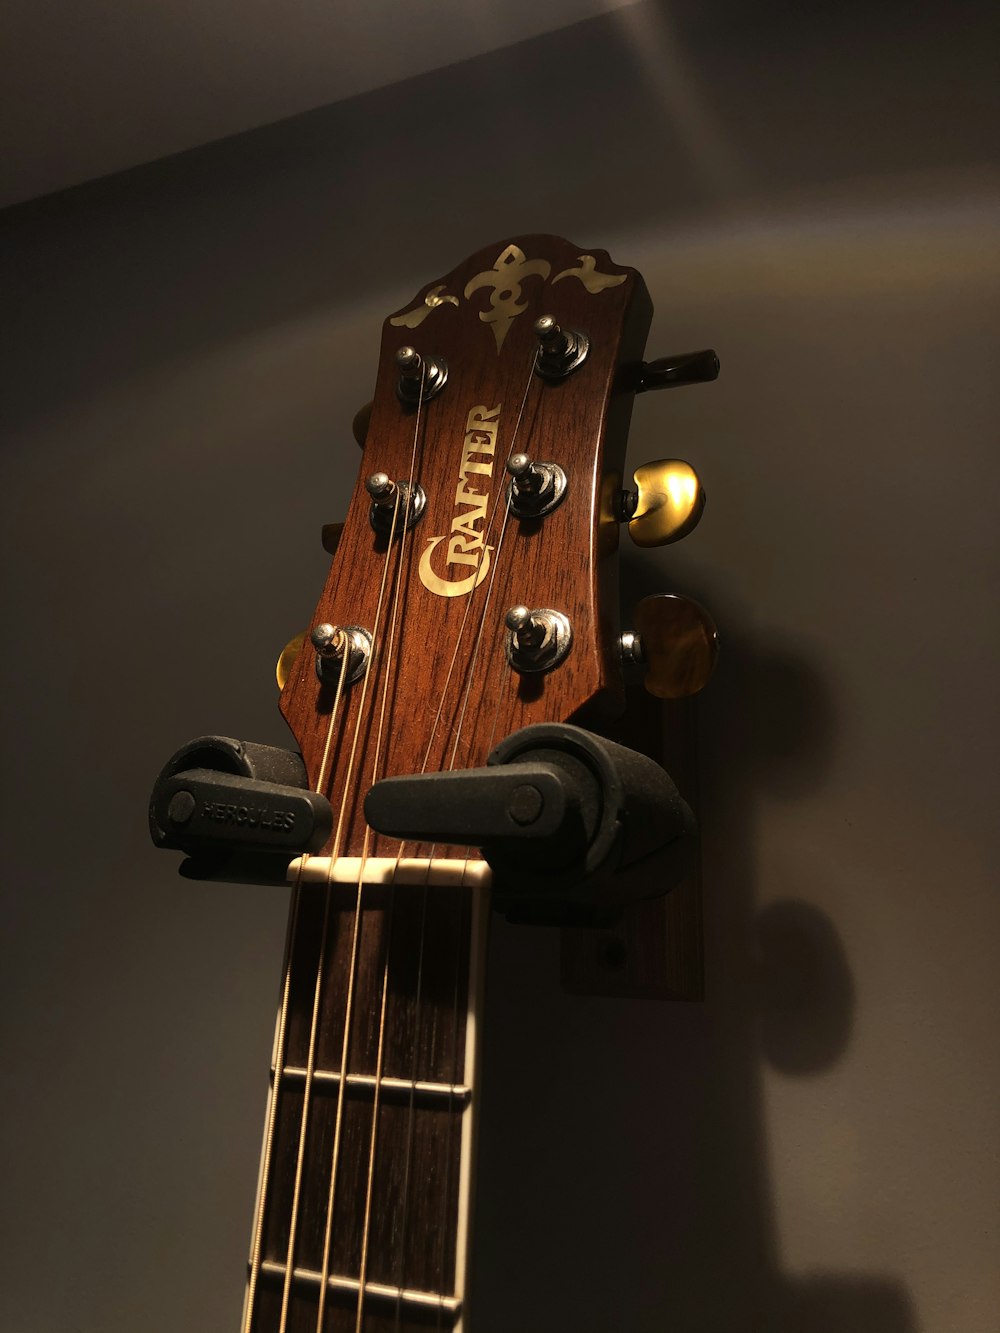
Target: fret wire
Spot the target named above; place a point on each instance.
(388, 1083)
(337, 1282)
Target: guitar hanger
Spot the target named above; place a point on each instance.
(453, 702)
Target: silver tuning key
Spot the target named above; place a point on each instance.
(387, 497)
(536, 640)
(535, 488)
(560, 351)
(420, 377)
(331, 643)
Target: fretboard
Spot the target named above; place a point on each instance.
(362, 1215)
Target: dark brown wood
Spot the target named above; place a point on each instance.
(655, 951)
(421, 939)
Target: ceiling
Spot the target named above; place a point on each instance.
(92, 89)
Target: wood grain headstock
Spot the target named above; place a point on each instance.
(484, 384)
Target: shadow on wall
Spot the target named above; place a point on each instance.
(779, 988)
(634, 1196)
(787, 995)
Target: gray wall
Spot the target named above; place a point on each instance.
(812, 1149)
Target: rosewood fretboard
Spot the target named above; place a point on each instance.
(403, 1123)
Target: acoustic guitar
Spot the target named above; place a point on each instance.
(471, 600)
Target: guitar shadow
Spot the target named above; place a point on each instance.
(626, 1156)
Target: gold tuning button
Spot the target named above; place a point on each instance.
(676, 641)
(286, 659)
(665, 505)
(362, 420)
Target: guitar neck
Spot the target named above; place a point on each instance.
(362, 1218)
(364, 1198)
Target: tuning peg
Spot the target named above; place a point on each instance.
(684, 368)
(676, 641)
(362, 420)
(286, 659)
(332, 533)
(666, 503)
(420, 377)
(560, 351)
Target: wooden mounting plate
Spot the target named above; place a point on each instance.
(656, 951)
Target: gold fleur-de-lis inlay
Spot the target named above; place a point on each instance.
(505, 278)
(412, 319)
(587, 274)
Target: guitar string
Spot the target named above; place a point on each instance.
(279, 1050)
(470, 670)
(310, 1063)
(411, 1120)
(402, 585)
(454, 754)
(320, 967)
(283, 1012)
(352, 971)
(455, 1071)
(256, 1251)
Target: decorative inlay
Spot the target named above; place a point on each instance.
(505, 281)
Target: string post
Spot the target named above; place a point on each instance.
(335, 642)
(537, 640)
(396, 505)
(381, 488)
(534, 488)
(560, 351)
(420, 377)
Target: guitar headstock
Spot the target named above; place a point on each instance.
(471, 610)
(473, 589)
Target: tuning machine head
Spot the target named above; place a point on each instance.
(669, 372)
(665, 504)
(420, 377)
(676, 641)
(362, 421)
(560, 351)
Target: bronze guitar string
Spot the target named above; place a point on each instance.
(393, 621)
(281, 1030)
(430, 743)
(335, 852)
(362, 717)
(317, 990)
